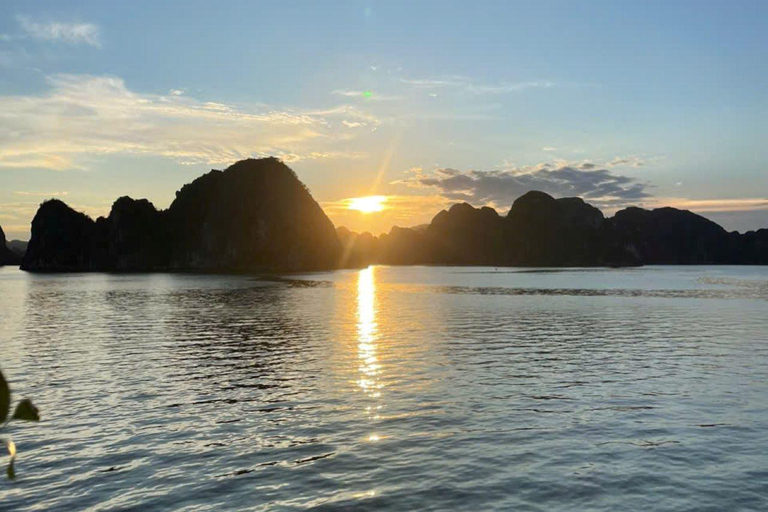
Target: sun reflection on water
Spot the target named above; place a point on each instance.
(367, 337)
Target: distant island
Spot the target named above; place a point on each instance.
(7, 254)
(541, 231)
(257, 216)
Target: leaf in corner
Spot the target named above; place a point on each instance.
(5, 399)
(26, 411)
(12, 452)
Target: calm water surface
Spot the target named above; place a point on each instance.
(391, 389)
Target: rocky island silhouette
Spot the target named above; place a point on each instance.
(255, 215)
(7, 255)
(258, 216)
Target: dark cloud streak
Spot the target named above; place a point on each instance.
(599, 186)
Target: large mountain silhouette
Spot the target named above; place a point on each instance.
(255, 215)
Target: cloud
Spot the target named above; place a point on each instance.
(84, 116)
(365, 95)
(72, 33)
(594, 183)
(41, 194)
(630, 161)
(449, 81)
(466, 85)
(711, 205)
(500, 188)
(509, 87)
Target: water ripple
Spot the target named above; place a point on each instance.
(395, 389)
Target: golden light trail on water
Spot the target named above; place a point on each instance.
(367, 336)
(366, 330)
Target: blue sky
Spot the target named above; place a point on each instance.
(428, 103)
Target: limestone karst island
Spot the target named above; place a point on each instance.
(257, 215)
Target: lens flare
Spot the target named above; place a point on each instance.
(368, 204)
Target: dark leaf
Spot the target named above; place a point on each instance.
(5, 399)
(26, 411)
(12, 452)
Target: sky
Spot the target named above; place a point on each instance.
(650, 103)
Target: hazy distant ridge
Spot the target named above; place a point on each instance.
(7, 256)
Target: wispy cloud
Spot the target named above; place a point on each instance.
(627, 161)
(84, 116)
(365, 95)
(431, 83)
(72, 33)
(509, 87)
(469, 86)
(41, 194)
(711, 205)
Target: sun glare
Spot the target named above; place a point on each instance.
(368, 204)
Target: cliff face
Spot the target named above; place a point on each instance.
(255, 215)
(7, 256)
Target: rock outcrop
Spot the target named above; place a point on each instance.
(255, 215)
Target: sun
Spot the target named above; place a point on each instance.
(368, 204)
